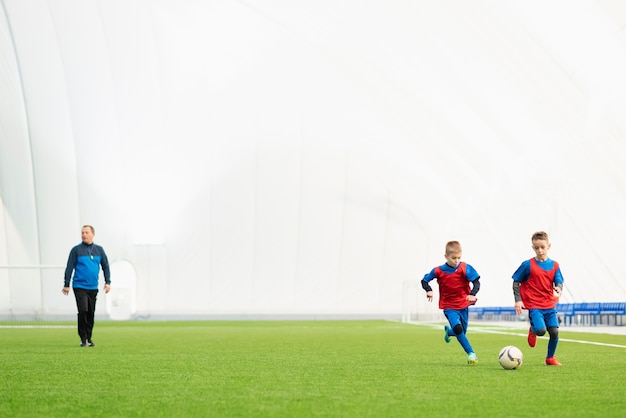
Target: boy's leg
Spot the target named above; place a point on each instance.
(552, 323)
(465, 343)
(532, 338)
(537, 322)
(455, 318)
(447, 333)
(447, 329)
(464, 317)
(537, 326)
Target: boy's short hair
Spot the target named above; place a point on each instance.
(453, 247)
(540, 235)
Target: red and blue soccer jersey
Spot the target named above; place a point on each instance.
(537, 280)
(453, 284)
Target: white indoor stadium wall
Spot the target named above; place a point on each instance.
(308, 158)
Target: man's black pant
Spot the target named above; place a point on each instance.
(86, 304)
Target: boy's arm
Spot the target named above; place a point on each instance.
(519, 305)
(558, 289)
(428, 289)
(471, 298)
(516, 293)
(475, 287)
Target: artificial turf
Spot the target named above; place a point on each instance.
(301, 369)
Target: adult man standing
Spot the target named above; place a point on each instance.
(84, 261)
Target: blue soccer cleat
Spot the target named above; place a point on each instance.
(446, 336)
(472, 359)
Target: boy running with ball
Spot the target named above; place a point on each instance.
(454, 278)
(537, 285)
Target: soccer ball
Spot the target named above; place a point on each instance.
(510, 357)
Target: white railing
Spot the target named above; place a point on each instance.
(33, 292)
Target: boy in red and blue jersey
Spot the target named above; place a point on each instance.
(537, 285)
(455, 296)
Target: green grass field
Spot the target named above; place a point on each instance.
(301, 369)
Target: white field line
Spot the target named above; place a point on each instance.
(494, 331)
(37, 326)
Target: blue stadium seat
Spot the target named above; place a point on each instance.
(587, 313)
(582, 313)
(478, 312)
(566, 311)
(493, 313)
(615, 310)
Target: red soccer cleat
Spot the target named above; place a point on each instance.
(552, 361)
(532, 338)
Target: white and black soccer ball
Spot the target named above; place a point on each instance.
(511, 357)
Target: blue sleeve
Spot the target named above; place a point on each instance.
(471, 273)
(558, 277)
(430, 276)
(104, 263)
(69, 269)
(522, 272)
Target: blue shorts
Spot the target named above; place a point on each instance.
(543, 319)
(457, 316)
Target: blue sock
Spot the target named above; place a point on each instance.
(465, 343)
(552, 346)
